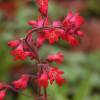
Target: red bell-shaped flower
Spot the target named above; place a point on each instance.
(43, 80)
(22, 82)
(58, 57)
(2, 94)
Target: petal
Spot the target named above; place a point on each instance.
(13, 43)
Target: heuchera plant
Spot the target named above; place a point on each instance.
(67, 30)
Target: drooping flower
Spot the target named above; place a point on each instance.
(59, 80)
(43, 6)
(71, 40)
(2, 94)
(40, 40)
(43, 80)
(52, 36)
(58, 57)
(72, 24)
(80, 33)
(21, 49)
(19, 53)
(32, 23)
(73, 20)
(22, 82)
(14, 43)
(55, 74)
(39, 23)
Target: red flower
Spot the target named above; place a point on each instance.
(22, 82)
(52, 35)
(14, 43)
(43, 80)
(71, 40)
(59, 80)
(79, 33)
(73, 20)
(78, 20)
(58, 57)
(66, 21)
(43, 6)
(2, 94)
(72, 24)
(57, 23)
(21, 50)
(40, 40)
(55, 74)
(39, 22)
(19, 53)
(32, 23)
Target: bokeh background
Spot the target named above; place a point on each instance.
(81, 64)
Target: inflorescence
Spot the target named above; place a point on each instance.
(67, 30)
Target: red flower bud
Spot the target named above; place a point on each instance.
(22, 82)
(40, 40)
(71, 40)
(14, 43)
(43, 6)
(2, 94)
(58, 57)
(32, 23)
(55, 74)
(43, 80)
(59, 80)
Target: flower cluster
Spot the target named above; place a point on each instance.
(48, 73)
(22, 83)
(67, 30)
(21, 50)
(42, 30)
(53, 74)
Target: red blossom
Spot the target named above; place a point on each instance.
(79, 33)
(2, 94)
(58, 57)
(59, 80)
(52, 36)
(56, 23)
(71, 40)
(32, 23)
(22, 82)
(43, 80)
(73, 19)
(14, 43)
(21, 49)
(43, 6)
(19, 53)
(40, 40)
(39, 22)
(55, 74)
(72, 24)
